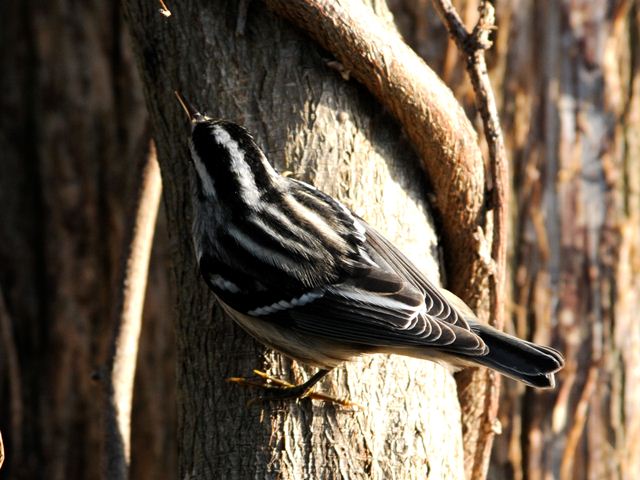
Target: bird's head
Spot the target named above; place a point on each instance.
(230, 166)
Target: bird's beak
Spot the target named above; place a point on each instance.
(194, 115)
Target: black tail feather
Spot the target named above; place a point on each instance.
(521, 360)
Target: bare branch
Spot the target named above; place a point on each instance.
(473, 45)
(164, 10)
(129, 319)
(486, 388)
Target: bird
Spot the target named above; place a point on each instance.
(305, 276)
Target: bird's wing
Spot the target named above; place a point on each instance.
(367, 293)
(393, 305)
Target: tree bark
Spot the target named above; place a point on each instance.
(321, 128)
(73, 130)
(576, 274)
(567, 78)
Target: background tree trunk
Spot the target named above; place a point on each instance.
(73, 132)
(321, 128)
(576, 264)
(567, 77)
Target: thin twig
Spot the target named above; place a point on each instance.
(129, 319)
(164, 10)
(473, 45)
(10, 353)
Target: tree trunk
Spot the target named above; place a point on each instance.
(576, 272)
(321, 128)
(73, 132)
(567, 76)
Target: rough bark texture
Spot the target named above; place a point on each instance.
(376, 56)
(73, 131)
(576, 263)
(567, 75)
(320, 128)
(443, 137)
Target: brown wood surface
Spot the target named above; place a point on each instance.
(73, 133)
(73, 130)
(567, 81)
(318, 127)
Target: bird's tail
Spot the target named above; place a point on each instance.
(527, 362)
(511, 356)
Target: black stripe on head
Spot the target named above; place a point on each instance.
(215, 159)
(254, 156)
(234, 162)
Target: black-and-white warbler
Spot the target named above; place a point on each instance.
(305, 276)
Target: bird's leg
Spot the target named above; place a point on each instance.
(278, 389)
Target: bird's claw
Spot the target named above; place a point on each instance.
(279, 389)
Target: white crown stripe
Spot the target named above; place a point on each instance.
(205, 178)
(245, 176)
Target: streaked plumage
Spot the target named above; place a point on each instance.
(305, 276)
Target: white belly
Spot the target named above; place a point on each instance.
(306, 349)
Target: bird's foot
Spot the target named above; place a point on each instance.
(277, 389)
